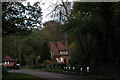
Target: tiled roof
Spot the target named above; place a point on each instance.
(56, 46)
(61, 46)
(8, 58)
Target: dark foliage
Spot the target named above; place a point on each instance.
(4, 72)
(45, 52)
(15, 20)
(93, 28)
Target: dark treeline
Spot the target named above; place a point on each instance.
(33, 47)
(94, 34)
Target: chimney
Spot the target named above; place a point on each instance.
(56, 43)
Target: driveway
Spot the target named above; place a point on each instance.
(48, 75)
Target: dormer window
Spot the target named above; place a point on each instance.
(66, 52)
(63, 51)
(60, 52)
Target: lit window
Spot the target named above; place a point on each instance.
(60, 52)
(61, 59)
(66, 51)
(57, 59)
(5, 62)
(63, 52)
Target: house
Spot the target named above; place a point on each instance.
(9, 62)
(59, 51)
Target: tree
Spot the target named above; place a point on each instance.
(20, 19)
(34, 61)
(61, 11)
(92, 26)
(13, 15)
(54, 28)
(38, 60)
(16, 20)
(45, 52)
(34, 17)
(22, 60)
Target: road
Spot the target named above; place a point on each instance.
(48, 75)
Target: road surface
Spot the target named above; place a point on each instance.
(48, 75)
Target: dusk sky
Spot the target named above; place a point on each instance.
(47, 6)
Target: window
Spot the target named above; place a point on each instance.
(57, 59)
(63, 52)
(66, 51)
(61, 59)
(60, 52)
(8, 62)
(5, 62)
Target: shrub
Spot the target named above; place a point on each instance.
(37, 66)
(4, 72)
(61, 65)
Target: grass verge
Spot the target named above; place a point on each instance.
(20, 76)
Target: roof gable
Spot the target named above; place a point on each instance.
(61, 46)
(56, 46)
(8, 58)
(53, 47)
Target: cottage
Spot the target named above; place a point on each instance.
(9, 62)
(59, 51)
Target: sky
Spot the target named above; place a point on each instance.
(47, 6)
